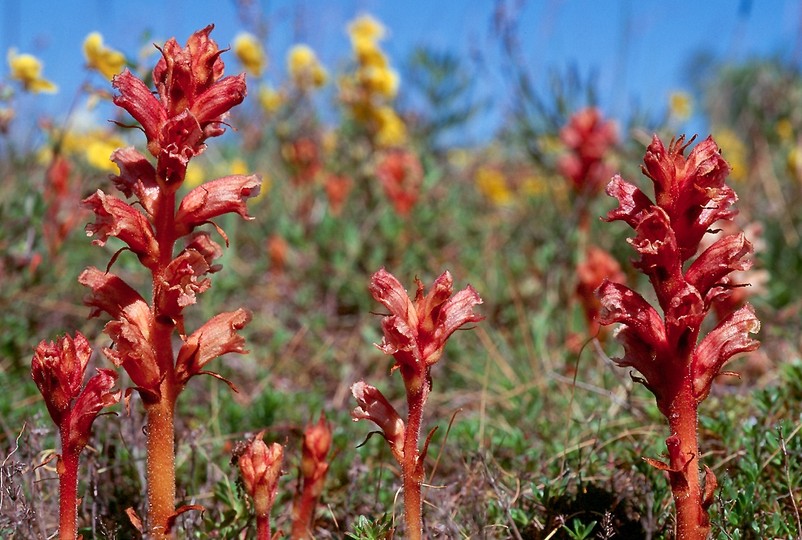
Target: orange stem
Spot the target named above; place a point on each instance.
(412, 466)
(693, 522)
(68, 495)
(160, 465)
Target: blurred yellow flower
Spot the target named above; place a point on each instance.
(734, 151)
(366, 27)
(492, 183)
(305, 68)
(368, 53)
(270, 99)
(98, 147)
(784, 129)
(238, 166)
(533, 185)
(680, 105)
(103, 59)
(250, 53)
(27, 69)
(383, 81)
(391, 129)
(793, 162)
(195, 174)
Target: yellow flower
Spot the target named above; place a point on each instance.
(270, 99)
(250, 53)
(194, 176)
(734, 151)
(793, 162)
(98, 147)
(368, 53)
(238, 166)
(103, 59)
(391, 129)
(533, 185)
(383, 81)
(680, 105)
(27, 69)
(784, 129)
(366, 27)
(493, 185)
(305, 68)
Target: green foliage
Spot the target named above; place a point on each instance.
(364, 528)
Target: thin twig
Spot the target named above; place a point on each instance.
(788, 479)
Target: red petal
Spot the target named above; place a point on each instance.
(622, 304)
(111, 294)
(115, 217)
(134, 353)
(137, 99)
(388, 291)
(216, 337)
(374, 406)
(180, 283)
(397, 336)
(729, 338)
(428, 306)
(631, 201)
(219, 98)
(96, 395)
(137, 177)
(215, 198)
(726, 255)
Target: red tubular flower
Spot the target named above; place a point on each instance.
(193, 99)
(678, 367)
(588, 137)
(597, 266)
(415, 334)
(58, 369)
(401, 175)
(373, 406)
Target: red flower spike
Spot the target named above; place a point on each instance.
(260, 466)
(316, 446)
(315, 449)
(214, 199)
(137, 177)
(416, 333)
(597, 266)
(401, 174)
(690, 195)
(374, 406)
(589, 137)
(216, 337)
(692, 190)
(192, 102)
(115, 217)
(58, 370)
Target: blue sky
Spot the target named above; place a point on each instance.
(639, 49)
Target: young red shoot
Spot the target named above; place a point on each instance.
(415, 334)
(316, 446)
(58, 368)
(260, 466)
